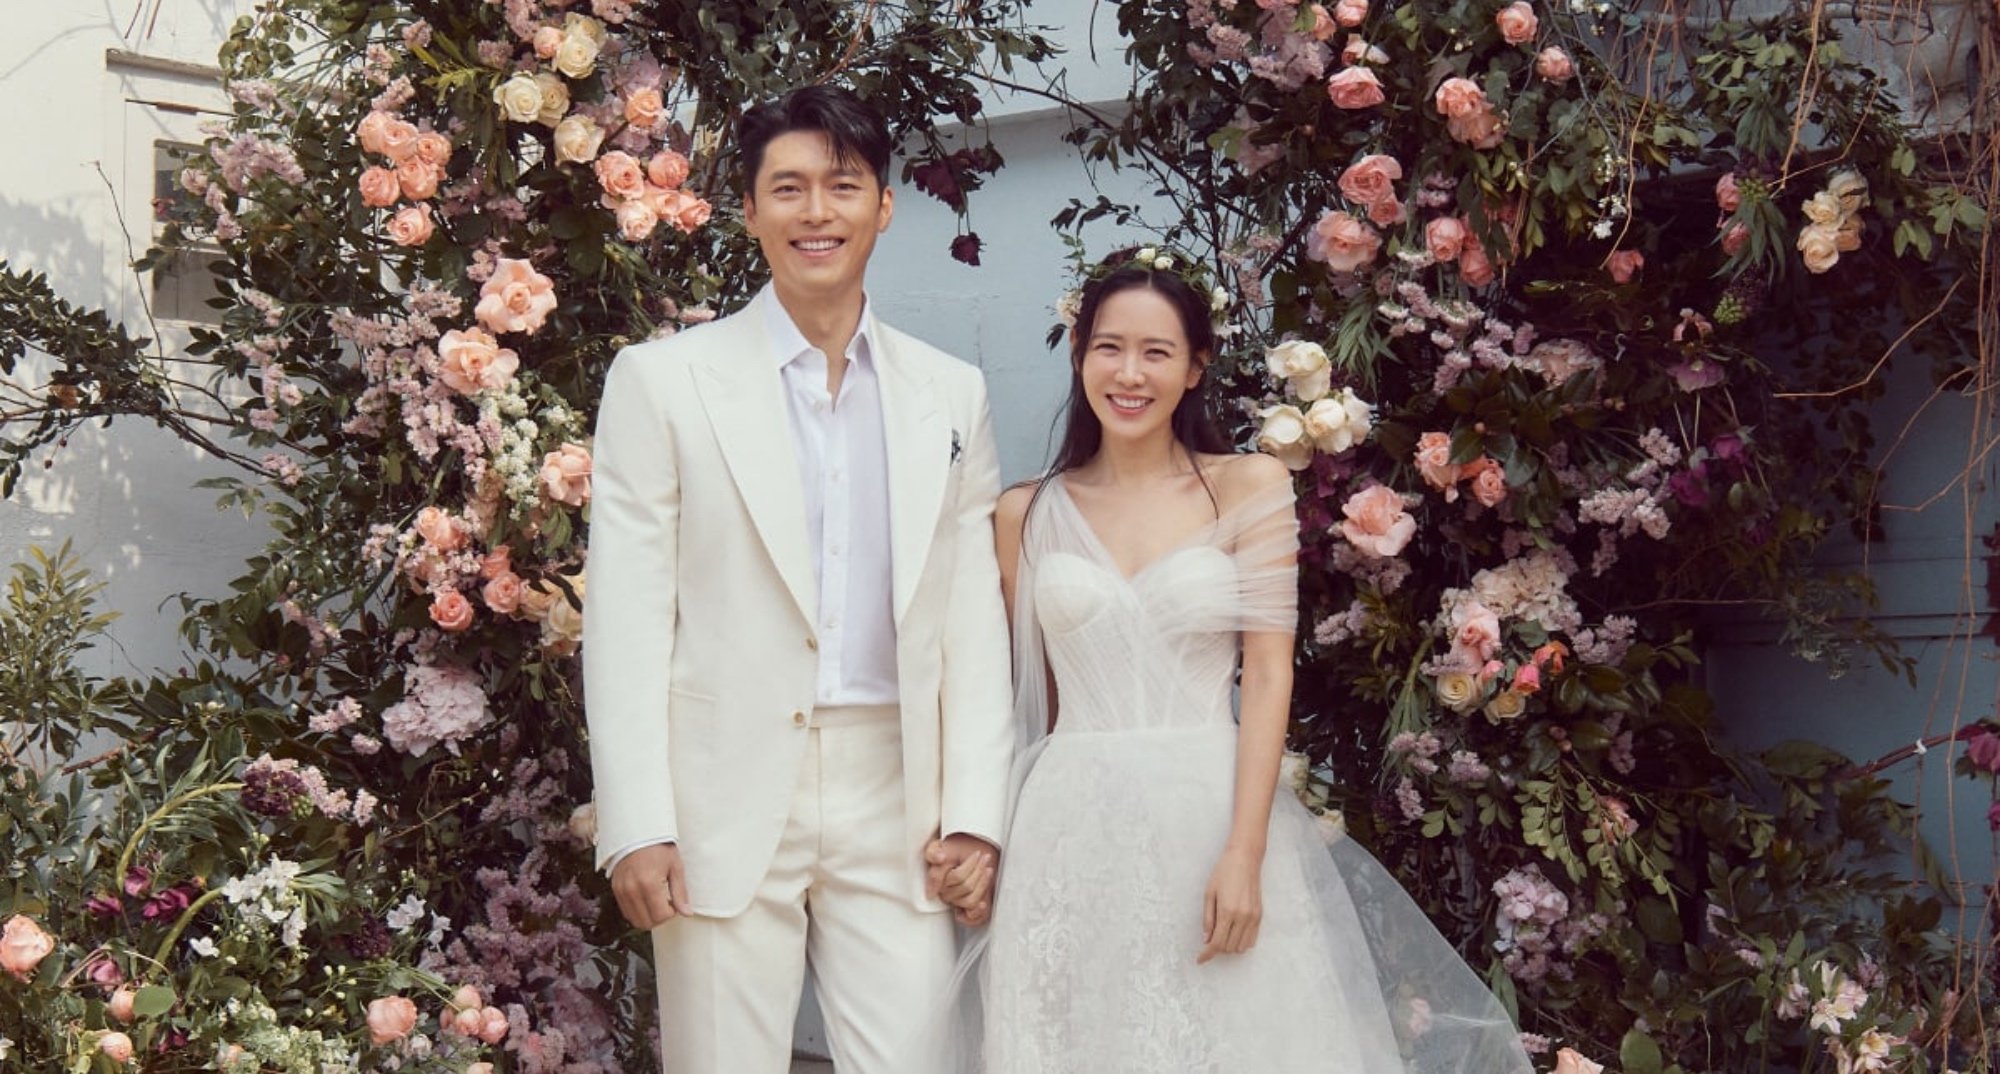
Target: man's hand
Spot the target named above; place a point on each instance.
(651, 886)
(959, 871)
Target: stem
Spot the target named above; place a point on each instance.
(132, 844)
(181, 923)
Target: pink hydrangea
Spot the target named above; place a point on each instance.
(441, 706)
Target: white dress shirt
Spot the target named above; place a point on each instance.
(844, 472)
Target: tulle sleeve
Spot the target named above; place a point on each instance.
(1261, 533)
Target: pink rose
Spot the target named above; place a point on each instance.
(1458, 97)
(1489, 481)
(1517, 23)
(465, 1023)
(1343, 241)
(618, 172)
(681, 209)
(1734, 238)
(515, 298)
(451, 611)
(547, 40)
(668, 169)
(636, 219)
(412, 225)
(1476, 630)
(1727, 197)
(1474, 267)
(104, 972)
(1376, 522)
(380, 188)
(1358, 50)
(1527, 679)
(369, 132)
(418, 178)
(398, 140)
(434, 149)
(390, 1018)
(119, 1006)
(479, 1068)
(23, 946)
(470, 360)
(1554, 65)
(1354, 88)
(439, 530)
(497, 562)
(1433, 459)
(1370, 182)
(1624, 264)
(1570, 1061)
(1983, 749)
(643, 108)
(1350, 13)
(1446, 238)
(116, 1046)
(502, 593)
(1483, 129)
(492, 1025)
(1323, 27)
(566, 475)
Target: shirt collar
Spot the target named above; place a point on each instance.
(789, 344)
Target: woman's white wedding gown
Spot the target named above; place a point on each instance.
(1088, 966)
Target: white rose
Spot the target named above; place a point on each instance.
(1146, 253)
(1284, 436)
(1332, 825)
(555, 99)
(1303, 366)
(1338, 421)
(577, 56)
(1068, 306)
(1164, 264)
(1293, 768)
(576, 24)
(1506, 705)
(583, 822)
(1819, 244)
(1457, 689)
(1218, 300)
(1824, 208)
(577, 139)
(519, 98)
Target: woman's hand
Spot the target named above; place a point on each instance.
(1233, 907)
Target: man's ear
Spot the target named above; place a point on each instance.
(887, 210)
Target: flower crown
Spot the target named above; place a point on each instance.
(1189, 270)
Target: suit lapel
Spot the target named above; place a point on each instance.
(918, 440)
(745, 402)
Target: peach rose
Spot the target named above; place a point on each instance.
(23, 946)
(1570, 1061)
(1445, 236)
(465, 1023)
(1527, 679)
(667, 169)
(620, 176)
(1357, 50)
(694, 212)
(547, 40)
(418, 179)
(1517, 22)
(1820, 246)
(119, 1006)
(479, 1068)
(1377, 523)
(577, 139)
(1483, 129)
(515, 298)
(644, 108)
(679, 208)
(636, 219)
(390, 1018)
(555, 98)
(1624, 264)
(1350, 13)
(1554, 65)
(1475, 630)
(519, 98)
(1433, 459)
(537, 599)
(1343, 241)
(380, 188)
(492, 1026)
(1354, 88)
(1283, 436)
(439, 530)
(1488, 480)
(497, 562)
(412, 225)
(451, 611)
(1474, 267)
(1458, 97)
(1323, 26)
(1728, 197)
(1847, 238)
(1551, 654)
(434, 149)
(502, 593)
(1734, 238)
(116, 1046)
(565, 475)
(470, 361)
(398, 139)
(1371, 182)
(369, 131)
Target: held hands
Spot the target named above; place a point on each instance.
(959, 871)
(651, 886)
(1233, 907)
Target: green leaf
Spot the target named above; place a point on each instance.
(153, 1001)
(1638, 1054)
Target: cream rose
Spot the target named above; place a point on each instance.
(1570, 1061)
(1283, 436)
(668, 169)
(1377, 523)
(1302, 366)
(519, 98)
(390, 1018)
(1506, 705)
(23, 946)
(471, 360)
(583, 823)
(576, 24)
(555, 99)
(1339, 421)
(412, 225)
(644, 108)
(577, 139)
(565, 475)
(1344, 242)
(1823, 208)
(1517, 22)
(418, 179)
(1457, 690)
(576, 57)
(380, 188)
(1820, 246)
(515, 298)
(1554, 65)
(1445, 238)
(1849, 188)
(618, 172)
(1355, 88)
(636, 219)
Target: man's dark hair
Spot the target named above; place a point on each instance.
(856, 130)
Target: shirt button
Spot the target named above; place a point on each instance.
(798, 719)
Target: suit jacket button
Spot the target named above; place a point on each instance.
(798, 719)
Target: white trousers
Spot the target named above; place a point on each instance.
(836, 903)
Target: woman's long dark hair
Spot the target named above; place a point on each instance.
(1192, 422)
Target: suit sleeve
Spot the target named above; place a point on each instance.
(977, 696)
(629, 612)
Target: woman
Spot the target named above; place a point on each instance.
(1162, 905)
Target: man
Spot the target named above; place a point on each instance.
(796, 662)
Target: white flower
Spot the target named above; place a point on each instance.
(1302, 366)
(1339, 421)
(294, 928)
(1146, 253)
(577, 55)
(1506, 705)
(407, 914)
(1458, 690)
(203, 946)
(1164, 264)
(1284, 436)
(6, 1045)
(1068, 306)
(555, 99)
(519, 98)
(577, 139)
(1218, 300)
